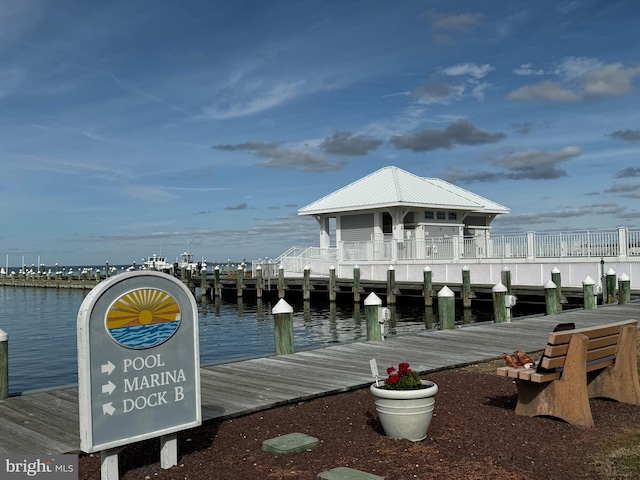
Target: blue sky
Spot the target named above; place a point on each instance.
(134, 127)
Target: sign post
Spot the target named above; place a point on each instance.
(138, 364)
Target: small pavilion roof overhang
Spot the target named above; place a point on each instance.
(392, 187)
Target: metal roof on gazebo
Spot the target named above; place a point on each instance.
(392, 186)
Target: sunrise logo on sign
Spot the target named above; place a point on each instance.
(143, 318)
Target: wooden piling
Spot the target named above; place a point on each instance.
(556, 278)
(4, 365)
(499, 293)
(217, 287)
(589, 298)
(550, 298)
(624, 289)
(611, 281)
(332, 283)
(466, 287)
(447, 308)
(427, 287)
(391, 286)
(259, 285)
(505, 276)
(283, 318)
(356, 284)
(372, 305)
(306, 283)
(204, 286)
(280, 281)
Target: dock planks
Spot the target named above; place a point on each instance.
(46, 422)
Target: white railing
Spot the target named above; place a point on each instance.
(621, 243)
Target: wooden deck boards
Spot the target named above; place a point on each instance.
(47, 421)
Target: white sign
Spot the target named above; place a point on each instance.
(138, 360)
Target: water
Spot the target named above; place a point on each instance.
(41, 325)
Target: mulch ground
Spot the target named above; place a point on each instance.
(474, 434)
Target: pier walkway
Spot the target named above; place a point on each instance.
(46, 422)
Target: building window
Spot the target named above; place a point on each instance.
(440, 215)
(428, 215)
(453, 216)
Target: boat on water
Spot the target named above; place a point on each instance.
(187, 262)
(158, 263)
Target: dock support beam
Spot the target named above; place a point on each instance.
(505, 276)
(306, 283)
(216, 282)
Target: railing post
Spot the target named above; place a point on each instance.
(590, 299)
(447, 308)
(623, 242)
(372, 306)
(499, 292)
(427, 287)
(283, 327)
(550, 298)
(531, 245)
(624, 289)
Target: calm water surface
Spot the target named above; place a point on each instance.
(41, 325)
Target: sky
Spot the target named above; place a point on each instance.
(136, 127)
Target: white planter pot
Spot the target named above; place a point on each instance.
(405, 413)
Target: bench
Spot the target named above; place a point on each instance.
(579, 364)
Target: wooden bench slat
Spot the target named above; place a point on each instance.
(591, 332)
(598, 353)
(559, 350)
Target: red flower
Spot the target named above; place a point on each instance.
(390, 370)
(393, 379)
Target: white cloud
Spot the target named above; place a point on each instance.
(580, 78)
(527, 69)
(552, 91)
(254, 101)
(476, 71)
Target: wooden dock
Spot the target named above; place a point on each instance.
(46, 422)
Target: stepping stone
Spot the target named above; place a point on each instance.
(293, 442)
(344, 473)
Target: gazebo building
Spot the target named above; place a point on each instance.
(393, 215)
(394, 219)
